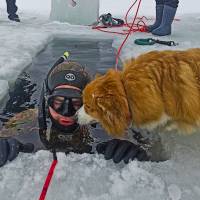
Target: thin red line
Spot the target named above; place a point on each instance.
(48, 180)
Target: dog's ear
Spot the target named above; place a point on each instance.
(97, 75)
(110, 103)
(115, 115)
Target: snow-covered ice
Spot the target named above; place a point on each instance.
(90, 177)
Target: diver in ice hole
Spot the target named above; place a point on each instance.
(60, 98)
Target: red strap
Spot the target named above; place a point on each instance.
(48, 180)
(67, 87)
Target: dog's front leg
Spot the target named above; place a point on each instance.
(150, 142)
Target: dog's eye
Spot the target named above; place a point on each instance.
(87, 107)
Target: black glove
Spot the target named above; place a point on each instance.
(10, 148)
(119, 150)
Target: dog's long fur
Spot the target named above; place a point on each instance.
(156, 89)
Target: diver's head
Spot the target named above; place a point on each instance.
(65, 84)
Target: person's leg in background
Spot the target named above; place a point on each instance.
(12, 9)
(169, 11)
(159, 13)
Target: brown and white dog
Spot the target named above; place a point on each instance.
(159, 89)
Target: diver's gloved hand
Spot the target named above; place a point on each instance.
(10, 148)
(119, 150)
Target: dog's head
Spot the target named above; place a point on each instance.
(104, 101)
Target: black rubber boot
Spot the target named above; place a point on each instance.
(159, 13)
(166, 24)
(14, 18)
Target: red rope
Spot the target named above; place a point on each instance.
(140, 26)
(131, 29)
(48, 180)
(127, 13)
(134, 27)
(101, 28)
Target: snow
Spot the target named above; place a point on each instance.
(174, 192)
(90, 177)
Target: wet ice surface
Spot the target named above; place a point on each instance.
(90, 176)
(96, 55)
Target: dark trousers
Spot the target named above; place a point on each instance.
(11, 7)
(172, 3)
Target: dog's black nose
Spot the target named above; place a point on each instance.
(94, 125)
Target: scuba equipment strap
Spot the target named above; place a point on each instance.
(49, 176)
(151, 41)
(67, 87)
(168, 43)
(41, 110)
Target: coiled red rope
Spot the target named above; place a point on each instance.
(132, 27)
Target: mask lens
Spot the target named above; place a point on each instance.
(77, 103)
(58, 102)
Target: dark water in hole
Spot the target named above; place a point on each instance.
(97, 55)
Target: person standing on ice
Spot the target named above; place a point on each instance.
(12, 10)
(165, 13)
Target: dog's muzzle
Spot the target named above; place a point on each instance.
(82, 118)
